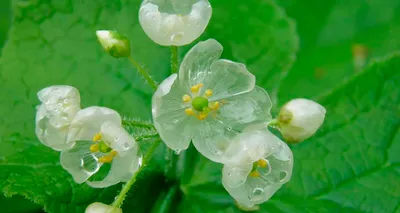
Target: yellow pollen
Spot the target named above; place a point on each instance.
(97, 137)
(202, 116)
(208, 93)
(113, 153)
(215, 105)
(196, 88)
(189, 111)
(254, 174)
(262, 163)
(186, 98)
(106, 159)
(94, 148)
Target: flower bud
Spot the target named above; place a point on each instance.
(299, 119)
(176, 22)
(115, 44)
(102, 208)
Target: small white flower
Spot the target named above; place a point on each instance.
(115, 44)
(102, 208)
(299, 119)
(209, 103)
(260, 163)
(53, 117)
(98, 138)
(172, 22)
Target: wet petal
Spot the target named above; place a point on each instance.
(117, 137)
(80, 162)
(212, 138)
(169, 116)
(228, 78)
(174, 23)
(123, 166)
(59, 105)
(197, 62)
(245, 109)
(234, 176)
(88, 121)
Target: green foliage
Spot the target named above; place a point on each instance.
(351, 165)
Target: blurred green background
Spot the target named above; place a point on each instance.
(322, 44)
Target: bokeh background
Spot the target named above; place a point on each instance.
(317, 49)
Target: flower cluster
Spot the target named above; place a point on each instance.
(211, 102)
(87, 138)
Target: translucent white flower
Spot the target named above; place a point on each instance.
(260, 163)
(102, 208)
(53, 117)
(174, 22)
(299, 119)
(114, 43)
(98, 139)
(209, 102)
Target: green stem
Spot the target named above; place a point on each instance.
(274, 123)
(174, 59)
(125, 189)
(144, 73)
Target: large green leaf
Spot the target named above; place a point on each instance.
(350, 165)
(328, 31)
(53, 42)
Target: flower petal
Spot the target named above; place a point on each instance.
(117, 137)
(245, 109)
(197, 62)
(53, 117)
(80, 162)
(102, 208)
(212, 138)
(169, 116)
(88, 121)
(234, 176)
(228, 78)
(123, 166)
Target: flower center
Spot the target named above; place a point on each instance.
(200, 103)
(100, 146)
(200, 107)
(258, 164)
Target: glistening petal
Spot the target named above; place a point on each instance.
(88, 121)
(234, 176)
(228, 78)
(117, 137)
(197, 62)
(123, 166)
(249, 108)
(80, 162)
(212, 138)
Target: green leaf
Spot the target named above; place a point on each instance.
(53, 42)
(350, 165)
(328, 32)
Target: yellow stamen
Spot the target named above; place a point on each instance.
(106, 159)
(196, 88)
(262, 163)
(97, 137)
(189, 111)
(254, 174)
(113, 153)
(215, 105)
(208, 93)
(202, 116)
(186, 98)
(94, 148)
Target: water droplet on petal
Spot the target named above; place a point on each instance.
(258, 191)
(177, 151)
(282, 175)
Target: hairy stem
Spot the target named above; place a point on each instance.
(144, 73)
(174, 59)
(125, 189)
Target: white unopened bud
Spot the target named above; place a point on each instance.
(299, 119)
(115, 44)
(102, 208)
